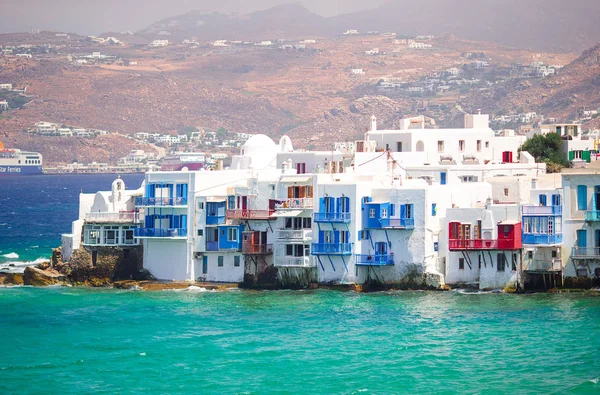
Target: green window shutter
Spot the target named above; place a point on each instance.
(571, 155)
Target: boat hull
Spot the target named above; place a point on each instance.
(9, 170)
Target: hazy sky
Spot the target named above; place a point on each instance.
(97, 16)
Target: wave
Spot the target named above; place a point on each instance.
(11, 255)
(19, 266)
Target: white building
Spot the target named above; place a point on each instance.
(6, 87)
(159, 43)
(411, 207)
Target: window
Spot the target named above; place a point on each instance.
(487, 144)
(232, 234)
(433, 209)
(441, 146)
(542, 200)
(344, 205)
(372, 213)
(363, 235)
(478, 145)
(514, 263)
(384, 213)
(204, 264)
(581, 197)
(344, 236)
(399, 146)
(526, 224)
(443, 178)
(236, 261)
(554, 254)
(461, 145)
(501, 262)
(220, 261)
(461, 263)
(200, 232)
(505, 191)
(300, 168)
(529, 254)
(200, 205)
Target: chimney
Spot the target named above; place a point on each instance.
(373, 123)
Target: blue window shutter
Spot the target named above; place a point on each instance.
(556, 200)
(403, 211)
(433, 209)
(542, 200)
(336, 237)
(347, 204)
(443, 178)
(338, 205)
(581, 238)
(184, 190)
(392, 210)
(581, 197)
(322, 205)
(184, 222)
(321, 236)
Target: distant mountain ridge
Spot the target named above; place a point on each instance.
(545, 25)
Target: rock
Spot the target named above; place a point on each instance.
(11, 279)
(40, 278)
(44, 265)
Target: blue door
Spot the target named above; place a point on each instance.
(581, 238)
(204, 264)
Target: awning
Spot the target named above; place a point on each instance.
(287, 213)
(214, 199)
(294, 179)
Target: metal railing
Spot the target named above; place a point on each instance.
(332, 217)
(295, 203)
(160, 232)
(472, 244)
(541, 210)
(161, 201)
(544, 264)
(110, 217)
(249, 214)
(294, 234)
(529, 238)
(585, 252)
(293, 261)
(402, 223)
(374, 259)
(592, 215)
(331, 248)
(257, 249)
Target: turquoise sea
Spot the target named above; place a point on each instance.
(74, 340)
(78, 340)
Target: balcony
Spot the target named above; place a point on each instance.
(212, 246)
(331, 249)
(298, 203)
(294, 234)
(374, 260)
(397, 223)
(585, 253)
(103, 217)
(161, 201)
(481, 244)
(542, 210)
(174, 233)
(293, 261)
(540, 239)
(333, 217)
(257, 249)
(249, 214)
(592, 215)
(541, 265)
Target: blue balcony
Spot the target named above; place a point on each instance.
(331, 249)
(541, 239)
(374, 260)
(592, 215)
(541, 210)
(215, 219)
(212, 246)
(160, 232)
(393, 223)
(333, 217)
(161, 201)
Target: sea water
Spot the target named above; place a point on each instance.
(77, 340)
(80, 340)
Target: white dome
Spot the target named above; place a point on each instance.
(259, 140)
(260, 150)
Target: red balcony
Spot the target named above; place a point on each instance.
(481, 244)
(249, 214)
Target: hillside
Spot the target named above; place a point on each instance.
(576, 86)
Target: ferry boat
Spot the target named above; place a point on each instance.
(17, 162)
(184, 161)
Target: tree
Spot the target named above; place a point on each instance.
(547, 149)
